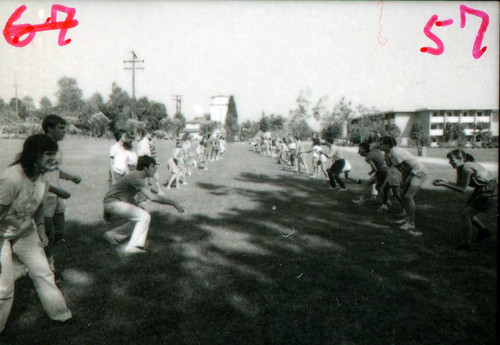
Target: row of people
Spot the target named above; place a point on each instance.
(397, 173)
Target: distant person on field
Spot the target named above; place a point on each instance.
(146, 147)
(22, 230)
(124, 160)
(471, 174)
(120, 201)
(335, 170)
(55, 127)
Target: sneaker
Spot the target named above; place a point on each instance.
(342, 189)
(184, 183)
(415, 232)
(133, 250)
(110, 239)
(358, 202)
(464, 247)
(481, 236)
(384, 208)
(401, 221)
(407, 226)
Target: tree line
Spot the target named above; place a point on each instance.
(96, 116)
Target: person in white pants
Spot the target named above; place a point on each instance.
(22, 230)
(120, 201)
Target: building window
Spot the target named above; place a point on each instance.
(479, 113)
(437, 126)
(466, 113)
(434, 114)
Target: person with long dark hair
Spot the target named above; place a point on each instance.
(471, 174)
(22, 230)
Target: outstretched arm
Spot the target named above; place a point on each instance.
(161, 199)
(70, 177)
(461, 184)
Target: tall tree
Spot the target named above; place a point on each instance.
(231, 123)
(45, 104)
(30, 103)
(69, 96)
(117, 108)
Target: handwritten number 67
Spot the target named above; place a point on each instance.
(477, 50)
(13, 32)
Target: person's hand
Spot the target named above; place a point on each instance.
(76, 179)
(438, 182)
(63, 194)
(180, 209)
(44, 240)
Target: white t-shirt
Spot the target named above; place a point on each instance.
(124, 158)
(335, 153)
(115, 148)
(22, 196)
(143, 147)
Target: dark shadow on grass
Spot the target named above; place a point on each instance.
(302, 267)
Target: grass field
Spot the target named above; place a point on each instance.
(263, 256)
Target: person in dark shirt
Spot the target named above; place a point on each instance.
(120, 201)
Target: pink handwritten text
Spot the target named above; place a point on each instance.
(13, 33)
(477, 51)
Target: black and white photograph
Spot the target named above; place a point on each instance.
(249, 172)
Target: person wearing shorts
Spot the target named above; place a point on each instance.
(471, 174)
(413, 174)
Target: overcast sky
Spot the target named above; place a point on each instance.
(263, 53)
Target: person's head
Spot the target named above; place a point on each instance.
(457, 158)
(127, 144)
(120, 135)
(38, 154)
(364, 148)
(54, 126)
(386, 143)
(141, 133)
(147, 164)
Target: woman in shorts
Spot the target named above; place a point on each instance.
(414, 175)
(471, 174)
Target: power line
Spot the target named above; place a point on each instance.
(134, 61)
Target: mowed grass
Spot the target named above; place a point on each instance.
(263, 256)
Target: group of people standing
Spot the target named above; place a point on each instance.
(394, 172)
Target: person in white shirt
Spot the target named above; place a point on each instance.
(120, 137)
(124, 161)
(145, 147)
(335, 170)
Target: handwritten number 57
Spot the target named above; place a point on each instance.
(477, 50)
(14, 32)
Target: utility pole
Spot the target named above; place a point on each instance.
(134, 61)
(178, 103)
(15, 86)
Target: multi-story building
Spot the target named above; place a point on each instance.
(433, 121)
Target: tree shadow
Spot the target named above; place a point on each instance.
(301, 267)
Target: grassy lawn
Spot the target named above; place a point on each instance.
(263, 256)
